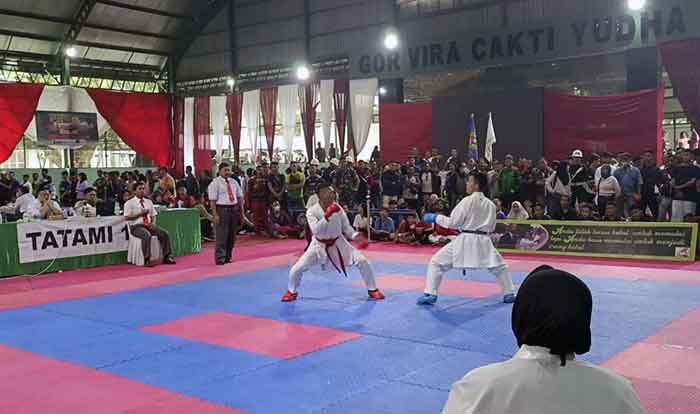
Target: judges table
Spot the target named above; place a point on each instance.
(181, 224)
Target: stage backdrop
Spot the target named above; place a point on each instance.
(629, 122)
(517, 119)
(404, 126)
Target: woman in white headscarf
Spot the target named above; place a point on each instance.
(552, 321)
(518, 212)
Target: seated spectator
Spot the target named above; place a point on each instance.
(281, 225)
(500, 215)
(638, 215)
(383, 228)
(611, 213)
(538, 213)
(44, 208)
(565, 211)
(393, 205)
(361, 222)
(442, 236)
(24, 200)
(406, 232)
(586, 212)
(183, 199)
(528, 206)
(517, 212)
(88, 206)
(551, 322)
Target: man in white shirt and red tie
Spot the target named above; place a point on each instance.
(140, 214)
(226, 198)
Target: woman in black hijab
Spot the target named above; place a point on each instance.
(553, 310)
(551, 322)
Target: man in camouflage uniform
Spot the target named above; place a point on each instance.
(346, 183)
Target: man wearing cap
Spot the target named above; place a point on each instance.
(227, 205)
(630, 180)
(330, 246)
(582, 185)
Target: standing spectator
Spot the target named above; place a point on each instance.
(328, 171)
(411, 189)
(346, 183)
(5, 189)
(685, 176)
(83, 185)
(166, 182)
(605, 159)
(320, 152)
(493, 175)
(376, 155)
(630, 180)
(258, 196)
(684, 141)
(541, 173)
(651, 184)
(528, 182)
(435, 159)
(430, 182)
(26, 182)
(558, 185)
(332, 153)
(204, 180)
(312, 181)
(15, 184)
(453, 158)
(277, 185)
(456, 186)
(295, 186)
(608, 189)
(665, 196)
(582, 182)
(191, 182)
(509, 181)
(391, 184)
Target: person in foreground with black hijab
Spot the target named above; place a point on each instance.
(551, 321)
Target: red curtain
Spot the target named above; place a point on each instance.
(268, 107)
(629, 122)
(142, 121)
(178, 156)
(309, 100)
(234, 109)
(681, 59)
(202, 134)
(18, 102)
(341, 105)
(403, 127)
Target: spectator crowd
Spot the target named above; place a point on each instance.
(605, 187)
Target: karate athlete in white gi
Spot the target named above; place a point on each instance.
(330, 247)
(475, 218)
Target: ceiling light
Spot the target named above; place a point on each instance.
(391, 40)
(303, 72)
(636, 4)
(71, 52)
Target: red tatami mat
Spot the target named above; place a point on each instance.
(35, 384)
(267, 337)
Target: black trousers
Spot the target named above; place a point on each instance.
(650, 200)
(144, 233)
(229, 220)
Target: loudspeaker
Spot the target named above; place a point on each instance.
(642, 68)
(391, 91)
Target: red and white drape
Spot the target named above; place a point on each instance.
(308, 102)
(234, 109)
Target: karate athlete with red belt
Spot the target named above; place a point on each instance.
(330, 246)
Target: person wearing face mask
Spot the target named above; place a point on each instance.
(608, 189)
(551, 321)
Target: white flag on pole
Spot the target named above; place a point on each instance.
(490, 140)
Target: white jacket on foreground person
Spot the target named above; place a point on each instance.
(551, 321)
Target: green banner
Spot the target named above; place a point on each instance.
(650, 241)
(182, 226)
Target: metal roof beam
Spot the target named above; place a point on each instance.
(146, 10)
(83, 43)
(61, 20)
(205, 15)
(45, 59)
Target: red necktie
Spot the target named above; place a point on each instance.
(231, 195)
(147, 217)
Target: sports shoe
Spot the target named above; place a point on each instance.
(289, 297)
(509, 298)
(427, 299)
(375, 294)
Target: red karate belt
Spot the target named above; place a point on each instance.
(329, 243)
